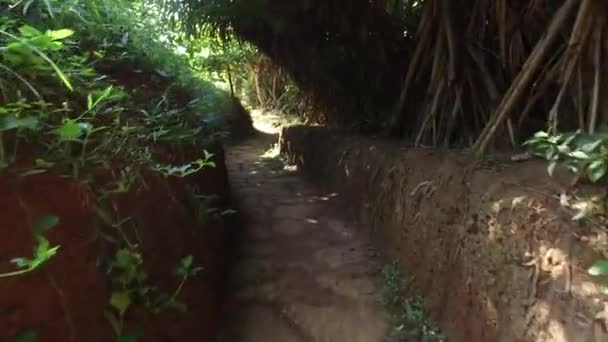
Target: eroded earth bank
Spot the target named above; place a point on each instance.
(490, 244)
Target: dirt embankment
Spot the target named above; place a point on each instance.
(488, 244)
(67, 298)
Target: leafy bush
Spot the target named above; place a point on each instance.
(580, 152)
(93, 119)
(90, 87)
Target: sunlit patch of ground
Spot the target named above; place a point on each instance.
(270, 122)
(276, 161)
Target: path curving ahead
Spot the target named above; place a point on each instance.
(303, 273)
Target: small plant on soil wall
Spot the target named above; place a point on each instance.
(131, 287)
(584, 154)
(185, 270)
(26, 336)
(587, 156)
(409, 317)
(43, 252)
(186, 169)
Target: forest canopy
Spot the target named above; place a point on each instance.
(436, 72)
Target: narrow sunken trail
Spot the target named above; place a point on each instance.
(302, 272)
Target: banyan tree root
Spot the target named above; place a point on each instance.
(522, 82)
(583, 52)
(487, 69)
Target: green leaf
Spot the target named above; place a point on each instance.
(26, 336)
(178, 306)
(123, 259)
(59, 34)
(597, 170)
(555, 139)
(570, 137)
(70, 130)
(599, 268)
(58, 71)
(41, 247)
(29, 31)
(44, 223)
(551, 153)
(563, 149)
(579, 155)
(591, 147)
(41, 163)
(43, 252)
(120, 300)
(183, 269)
(45, 43)
(11, 122)
(21, 262)
(186, 262)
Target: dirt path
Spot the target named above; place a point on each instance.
(303, 273)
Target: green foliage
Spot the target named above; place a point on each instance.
(273, 90)
(415, 314)
(585, 154)
(599, 270)
(96, 119)
(580, 152)
(26, 336)
(28, 50)
(223, 62)
(131, 287)
(127, 282)
(409, 315)
(187, 169)
(185, 270)
(43, 252)
(394, 285)
(100, 87)
(410, 319)
(213, 49)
